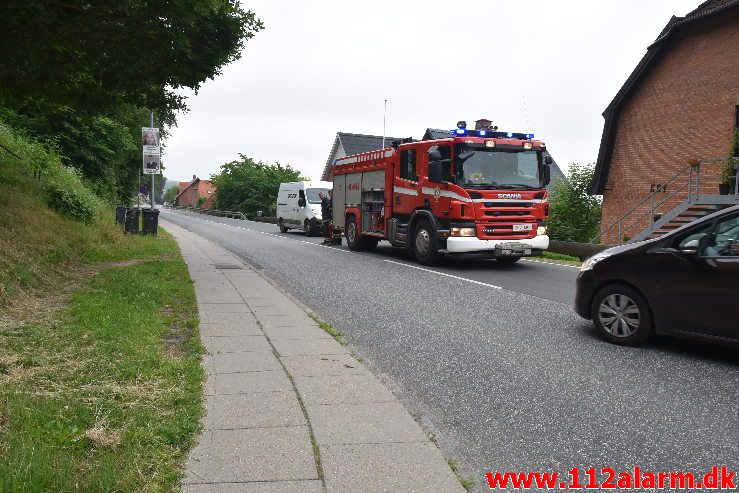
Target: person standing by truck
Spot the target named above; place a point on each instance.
(327, 207)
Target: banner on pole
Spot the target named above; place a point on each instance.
(151, 150)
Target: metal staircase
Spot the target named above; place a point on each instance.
(689, 184)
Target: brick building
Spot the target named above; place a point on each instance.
(190, 192)
(680, 104)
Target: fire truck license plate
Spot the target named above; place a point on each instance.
(521, 227)
(514, 246)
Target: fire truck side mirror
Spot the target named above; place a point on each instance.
(435, 172)
(547, 173)
(547, 160)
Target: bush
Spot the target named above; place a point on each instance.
(66, 194)
(573, 214)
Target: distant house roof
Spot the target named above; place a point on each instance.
(354, 144)
(435, 133)
(188, 185)
(611, 113)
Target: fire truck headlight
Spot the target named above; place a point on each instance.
(541, 230)
(462, 232)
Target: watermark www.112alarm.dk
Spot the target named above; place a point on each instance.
(606, 478)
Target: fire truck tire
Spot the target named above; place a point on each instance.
(424, 244)
(355, 242)
(281, 224)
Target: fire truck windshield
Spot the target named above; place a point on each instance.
(312, 194)
(483, 167)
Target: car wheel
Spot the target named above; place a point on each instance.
(622, 315)
(307, 229)
(424, 246)
(281, 224)
(507, 260)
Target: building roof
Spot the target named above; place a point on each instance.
(611, 113)
(355, 144)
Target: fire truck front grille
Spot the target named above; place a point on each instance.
(508, 204)
(507, 213)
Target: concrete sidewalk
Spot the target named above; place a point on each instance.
(288, 409)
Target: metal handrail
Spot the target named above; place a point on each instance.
(210, 212)
(694, 168)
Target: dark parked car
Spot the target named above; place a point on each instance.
(685, 283)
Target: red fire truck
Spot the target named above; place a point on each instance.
(478, 191)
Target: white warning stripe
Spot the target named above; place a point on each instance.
(444, 274)
(406, 191)
(445, 193)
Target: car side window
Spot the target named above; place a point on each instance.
(723, 240)
(695, 237)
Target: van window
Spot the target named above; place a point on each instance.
(313, 197)
(408, 165)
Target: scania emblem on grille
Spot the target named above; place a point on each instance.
(509, 195)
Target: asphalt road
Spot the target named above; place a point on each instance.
(498, 364)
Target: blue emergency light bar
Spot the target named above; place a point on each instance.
(462, 132)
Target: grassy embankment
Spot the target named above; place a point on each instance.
(99, 355)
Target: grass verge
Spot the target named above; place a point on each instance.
(103, 394)
(329, 329)
(560, 258)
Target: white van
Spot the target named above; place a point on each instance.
(299, 206)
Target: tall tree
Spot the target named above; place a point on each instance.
(249, 186)
(573, 214)
(95, 56)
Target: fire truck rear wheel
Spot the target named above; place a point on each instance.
(354, 241)
(281, 224)
(425, 247)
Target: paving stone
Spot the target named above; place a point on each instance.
(305, 486)
(211, 292)
(285, 321)
(210, 384)
(254, 454)
(239, 344)
(376, 422)
(242, 362)
(216, 317)
(296, 332)
(253, 381)
(341, 364)
(225, 307)
(258, 410)
(342, 389)
(230, 329)
(287, 347)
(277, 310)
(370, 468)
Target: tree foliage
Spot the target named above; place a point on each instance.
(170, 194)
(573, 214)
(81, 77)
(95, 56)
(249, 186)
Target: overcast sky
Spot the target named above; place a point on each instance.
(320, 67)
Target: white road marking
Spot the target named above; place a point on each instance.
(479, 283)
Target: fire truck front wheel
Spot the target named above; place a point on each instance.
(354, 241)
(425, 246)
